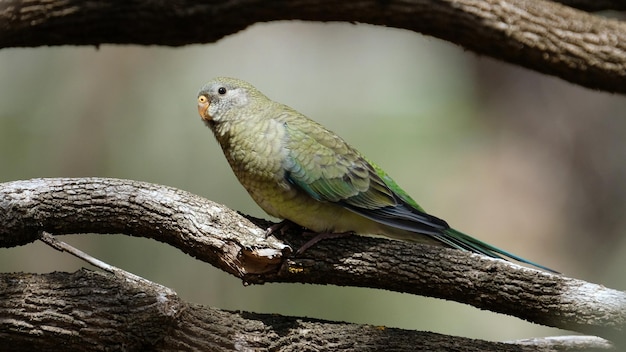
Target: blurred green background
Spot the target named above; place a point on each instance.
(526, 162)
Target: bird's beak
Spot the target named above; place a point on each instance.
(203, 107)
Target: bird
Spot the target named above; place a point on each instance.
(297, 170)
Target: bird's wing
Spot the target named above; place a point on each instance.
(328, 169)
(405, 197)
(325, 167)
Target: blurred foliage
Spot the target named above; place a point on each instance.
(528, 163)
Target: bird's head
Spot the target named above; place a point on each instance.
(222, 97)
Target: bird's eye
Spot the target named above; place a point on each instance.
(221, 90)
(202, 99)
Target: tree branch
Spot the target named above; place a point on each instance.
(181, 219)
(545, 36)
(217, 235)
(90, 311)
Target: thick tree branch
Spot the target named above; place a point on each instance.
(181, 219)
(219, 236)
(89, 311)
(542, 35)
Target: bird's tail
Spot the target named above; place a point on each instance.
(459, 240)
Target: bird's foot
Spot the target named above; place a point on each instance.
(280, 227)
(321, 236)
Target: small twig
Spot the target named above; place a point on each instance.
(61, 246)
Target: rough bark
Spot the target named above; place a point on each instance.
(90, 311)
(179, 218)
(236, 244)
(549, 37)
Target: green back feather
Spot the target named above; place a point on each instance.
(394, 187)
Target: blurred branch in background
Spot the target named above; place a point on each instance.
(546, 36)
(227, 240)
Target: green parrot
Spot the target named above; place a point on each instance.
(297, 170)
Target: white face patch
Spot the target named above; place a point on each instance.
(214, 112)
(221, 103)
(238, 97)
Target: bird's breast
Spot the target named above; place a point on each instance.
(256, 153)
(256, 149)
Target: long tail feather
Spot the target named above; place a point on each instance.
(459, 240)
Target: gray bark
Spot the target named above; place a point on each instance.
(236, 244)
(90, 311)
